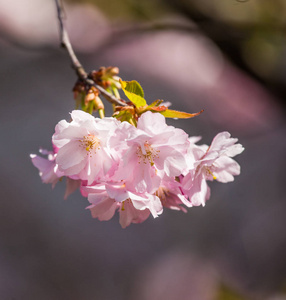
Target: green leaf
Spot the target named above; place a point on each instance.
(169, 113)
(134, 92)
(155, 103)
(133, 87)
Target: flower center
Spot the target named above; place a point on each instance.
(148, 153)
(90, 142)
(208, 172)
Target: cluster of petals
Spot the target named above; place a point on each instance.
(135, 170)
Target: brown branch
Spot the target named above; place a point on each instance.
(76, 65)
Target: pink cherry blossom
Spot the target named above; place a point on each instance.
(153, 146)
(135, 170)
(211, 163)
(133, 207)
(102, 206)
(84, 146)
(171, 196)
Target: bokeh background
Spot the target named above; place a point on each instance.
(226, 57)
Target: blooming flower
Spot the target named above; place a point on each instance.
(171, 196)
(83, 146)
(211, 163)
(135, 170)
(133, 207)
(154, 146)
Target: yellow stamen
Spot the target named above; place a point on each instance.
(90, 142)
(150, 154)
(209, 172)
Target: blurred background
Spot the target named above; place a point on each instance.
(226, 57)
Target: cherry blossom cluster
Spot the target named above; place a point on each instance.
(135, 170)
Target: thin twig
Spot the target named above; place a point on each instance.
(76, 65)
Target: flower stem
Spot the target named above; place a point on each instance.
(101, 113)
(76, 65)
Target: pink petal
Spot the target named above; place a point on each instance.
(70, 155)
(103, 210)
(152, 123)
(81, 116)
(225, 168)
(130, 215)
(199, 192)
(72, 186)
(118, 193)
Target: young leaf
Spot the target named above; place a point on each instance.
(160, 109)
(169, 113)
(134, 92)
(155, 103)
(152, 108)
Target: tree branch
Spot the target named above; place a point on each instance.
(76, 65)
